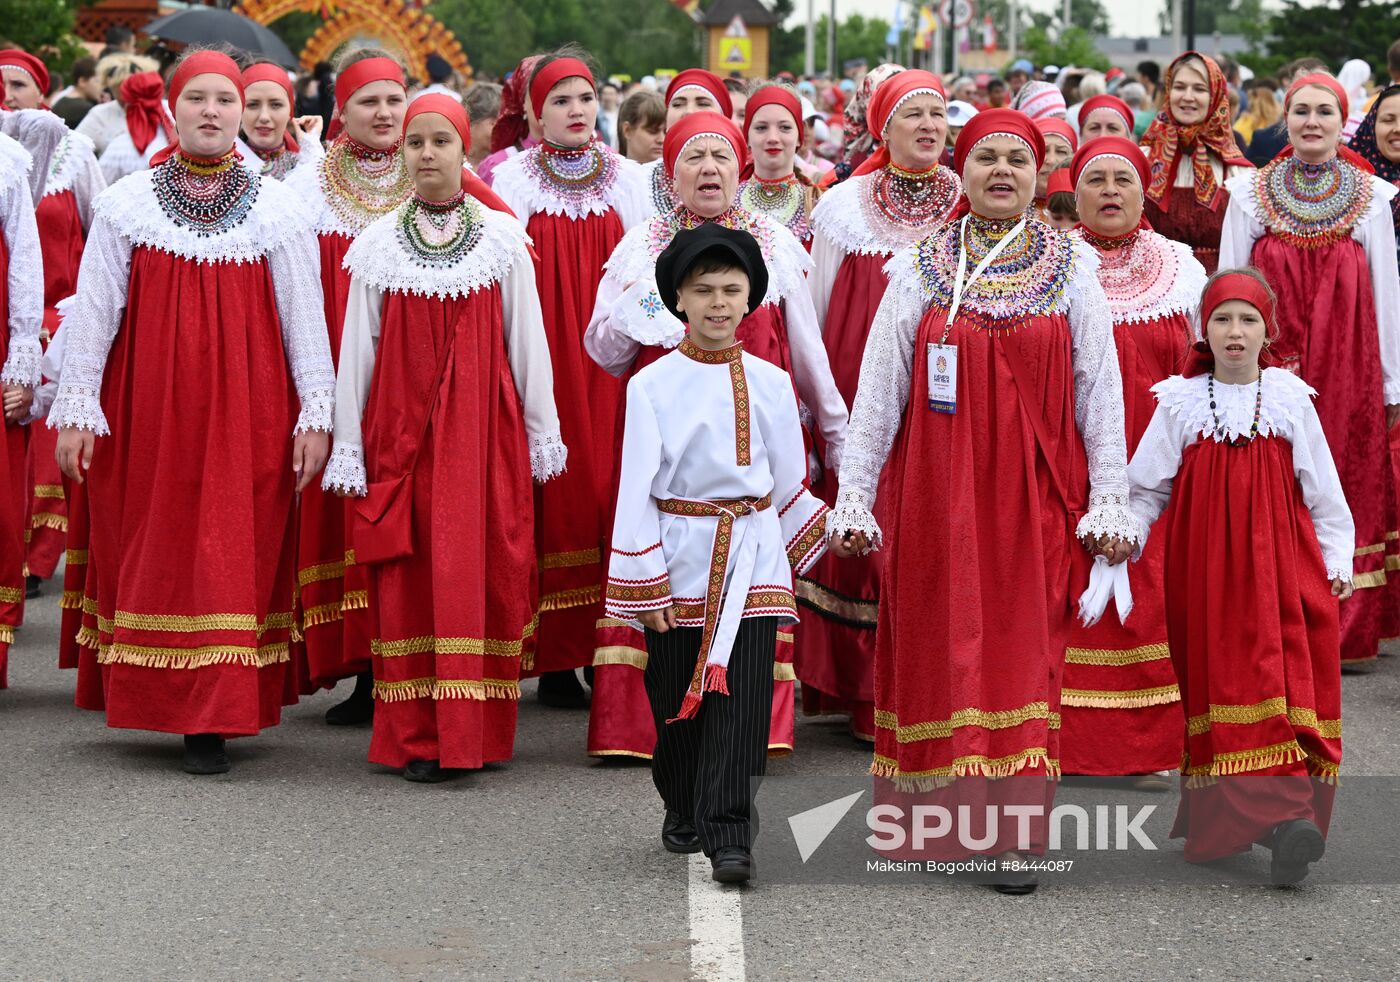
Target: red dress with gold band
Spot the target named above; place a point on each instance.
(576, 206)
(1120, 705)
(630, 329)
(975, 602)
(190, 264)
(1325, 240)
(859, 225)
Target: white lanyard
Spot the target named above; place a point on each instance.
(964, 282)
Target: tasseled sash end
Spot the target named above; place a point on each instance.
(690, 705)
(717, 679)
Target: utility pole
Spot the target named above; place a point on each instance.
(1190, 25)
(1011, 18)
(831, 44)
(1177, 49)
(1065, 18)
(809, 65)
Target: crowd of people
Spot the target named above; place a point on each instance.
(737, 398)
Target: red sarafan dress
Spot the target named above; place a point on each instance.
(341, 194)
(22, 299)
(976, 597)
(576, 206)
(1324, 238)
(1120, 705)
(630, 329)
(443, 319)
(787, 201)
(64, 213)
(196, 334)
(1256, 529)
(858, 226)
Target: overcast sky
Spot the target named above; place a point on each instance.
(1135, 18)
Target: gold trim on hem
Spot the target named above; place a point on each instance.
(49, 520)
(7, 634)
(201, 623)
(972, 765)
(88, 638)
(1259, 712)
(784, 672)
(1117, 657)
(619, 753)
(186, 658)
(11, 595)
(620, 655)
(320, 614)
(824, 600)
(429, 644)
(320, 572)
(1160, 695)
(442, 689)
(49, 491)
(786, 637)
(71, 600)
(75, 557)
(564, 599)
(566, 560)
(1364, 581)
(943, 729)
(354, 600)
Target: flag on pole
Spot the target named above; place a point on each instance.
(989, 34)
(923, 37)
(689, 6)
(897, 26)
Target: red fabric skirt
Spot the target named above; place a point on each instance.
(332, 594)
(1187, 220)
(840, 597)
(1121, 708)
(573, 509)
(975, 599)
(1327, 325)
(453, 619)
(619, 721)
(191, 499)
(76, 585)
(1260, 681)
(14, 502)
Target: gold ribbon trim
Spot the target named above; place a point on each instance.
(49, 491)
(1116, 657)
(1003, 719)
(75, 557)
(186, 658)
(1159, 695)
(440, 689)
(973, 765)
(564, 599)
(319, 572)
(428, 644)
(11, 595)
(856, 613)
(620, 655)
(201, 623)
(564, 560)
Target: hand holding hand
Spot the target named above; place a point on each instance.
(309, 453)
(1342, 589)
(659, 621)
(18, 399)
(74, 452)
(845, 545)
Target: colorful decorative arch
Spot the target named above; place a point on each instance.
(402, 27)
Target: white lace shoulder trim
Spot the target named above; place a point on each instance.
(68, 162)
(379, 258)
(843, 216)
(1242, 188)
(789, 262)
(1382, 193)
(512, 181)
(1084, 271)
(131, 208)
(632, 258)
(1182, 297)
(312, 203)
(15, 162)
(1284, 403)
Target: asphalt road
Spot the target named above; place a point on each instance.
(306, 862)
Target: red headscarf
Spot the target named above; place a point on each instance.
(1095, 103)
(1059, 182)
(708, 81)
(1054, 126)
(31, 66)
(362, 73)
(551, 75)
(1109, 146)
(511, 125)
(264, 72)
(1166, 139)
(453, 111)
(1332, 85)
(697, 125)
(199, 63)
(775, 95)
(1233, 285)
(141, 99)
(989, 123)
(889, 95)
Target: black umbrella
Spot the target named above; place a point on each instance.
(210, 25)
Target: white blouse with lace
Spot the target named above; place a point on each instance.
(886, 375)
(25, 273)
(127, 216)
(1151, 278)
(75, 168)
(1184, 415)
(628, 192)
(380, 263)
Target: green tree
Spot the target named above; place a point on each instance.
(43, 28)
(856, 37)
(1071, 47)
(1088, 16)
(1333, 32)
(1245, 17)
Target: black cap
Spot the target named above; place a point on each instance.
(439, 69)
(690, 244)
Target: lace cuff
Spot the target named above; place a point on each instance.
(345, 471)
(1339, 574)
(78, 408)
(22, 365)
(1392, 393)
(853, 514)
(547, 456)
(1109, 515)
(317, 412)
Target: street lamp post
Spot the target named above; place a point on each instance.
(831, 43)
(809, 64)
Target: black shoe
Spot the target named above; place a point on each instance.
(1013, 883)
(31, 586)
(204, 754)
(359, 708)
(1296, 844)
(561, 690)
(731, 864)
(425, 772)
(678, 834)
(588, 675)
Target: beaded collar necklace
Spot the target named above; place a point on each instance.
(436, 234)
(361, 183)
(1137, 272)
(1109, 243)
(783, 200)
(663, 191)
(1311, 205)
(207, 195)
(277, 163)
(578, 175)
(1221, 431)
(910, 199)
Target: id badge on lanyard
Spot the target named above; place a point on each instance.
(943, 357)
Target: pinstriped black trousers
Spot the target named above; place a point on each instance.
(704, 767)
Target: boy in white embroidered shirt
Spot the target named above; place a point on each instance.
(712, 520)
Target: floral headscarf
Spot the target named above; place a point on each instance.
(859, 143)
(1166, 139)
(1364, 143)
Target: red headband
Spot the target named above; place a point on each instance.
(31, 66)
(775, 95)
(701, 124)
(1332, 85)
(1229, 286)
(708, 81)
(1106, 146)
(1059, 182)
(263, 72)
(204, 63)
(1112, 102)
(998, 122)
(551, 75)
(360, 74)
(451, 110)
(888, 96)
(1054, 126)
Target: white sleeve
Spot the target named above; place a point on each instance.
(1098, 409)
(604, 340)
(801, 514)
(1153, 469)
(25, 281)
(886, 373)
(827, 258)
(1240, 229)
(104, 277)
(1322, 493)
(638, 580)
(811, 370)
(87, 185)
(296, 281)
(634, 196)
(527, 349)
(41, 133)
(119, 159)
(345, 470)
(1377, 236)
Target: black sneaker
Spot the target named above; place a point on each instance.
(1296, 844)
(678, 834)
(424, 772)
(731, 864)
(359, 708)
(561, 690)
(205, 754)
(32, 586)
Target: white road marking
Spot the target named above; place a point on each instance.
(716, 926)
